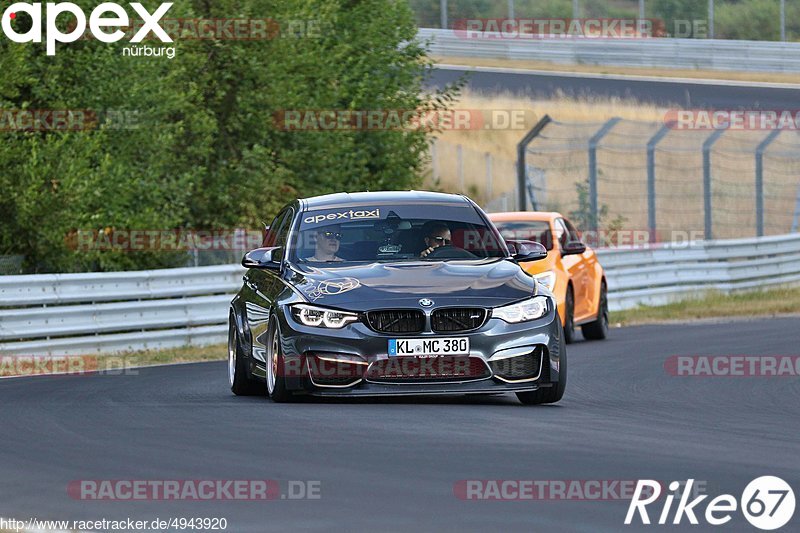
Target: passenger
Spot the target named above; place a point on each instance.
(327, 244)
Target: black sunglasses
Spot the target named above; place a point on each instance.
(332, 235)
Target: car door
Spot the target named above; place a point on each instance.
(264, 285)
(590, 277)
(575, 264)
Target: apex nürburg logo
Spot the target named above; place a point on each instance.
(102, 21)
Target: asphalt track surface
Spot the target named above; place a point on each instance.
(391, 465)
(684, 93)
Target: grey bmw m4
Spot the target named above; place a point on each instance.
(393, 294)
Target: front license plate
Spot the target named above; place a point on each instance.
(429, 347)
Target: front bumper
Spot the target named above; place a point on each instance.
(494, 341)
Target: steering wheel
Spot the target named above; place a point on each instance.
(449, 251)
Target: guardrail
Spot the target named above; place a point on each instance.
(67, 314)
(64, 314)
(661, 274)
(710, 54)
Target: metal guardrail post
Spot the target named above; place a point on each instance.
(443, 13)
(522, 177)
(651, 179)
(707, 145)
(762, 147)
(593, 142)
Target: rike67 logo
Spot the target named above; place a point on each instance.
(767, 502)
(102, 22)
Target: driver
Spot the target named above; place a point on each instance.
(327, 244)
(436, 234)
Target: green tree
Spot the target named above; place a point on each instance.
(204, 151)
(757, 20)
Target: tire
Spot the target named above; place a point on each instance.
(598, 330)
(569, 316)
(549, 394)
(276, 379)
(238, 376)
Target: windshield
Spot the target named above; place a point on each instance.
(390, 233)
(527, 230)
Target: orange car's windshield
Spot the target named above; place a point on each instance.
(527, 230)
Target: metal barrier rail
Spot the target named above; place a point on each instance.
(712, 54)
(63, 314)
(661, 274)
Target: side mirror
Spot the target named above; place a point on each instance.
(526, 251)
(573, 248)
(266, 258)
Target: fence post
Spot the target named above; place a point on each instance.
(511, 9)
(710, 19)
(707, 145)
(651, 179)
(783, 21)
(760, 181)
(522, 175)
(443, 13)
(460, 167)
(593, 142)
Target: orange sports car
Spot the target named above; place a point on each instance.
(571, 270)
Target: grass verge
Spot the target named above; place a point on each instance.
(186, 354)
(715, 305)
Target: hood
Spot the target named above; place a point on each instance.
(488, 283)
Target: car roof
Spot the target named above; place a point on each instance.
(525, 215)
(350, 199)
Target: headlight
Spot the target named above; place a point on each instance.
(531, 309)
(311, 315)
(548, 279)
